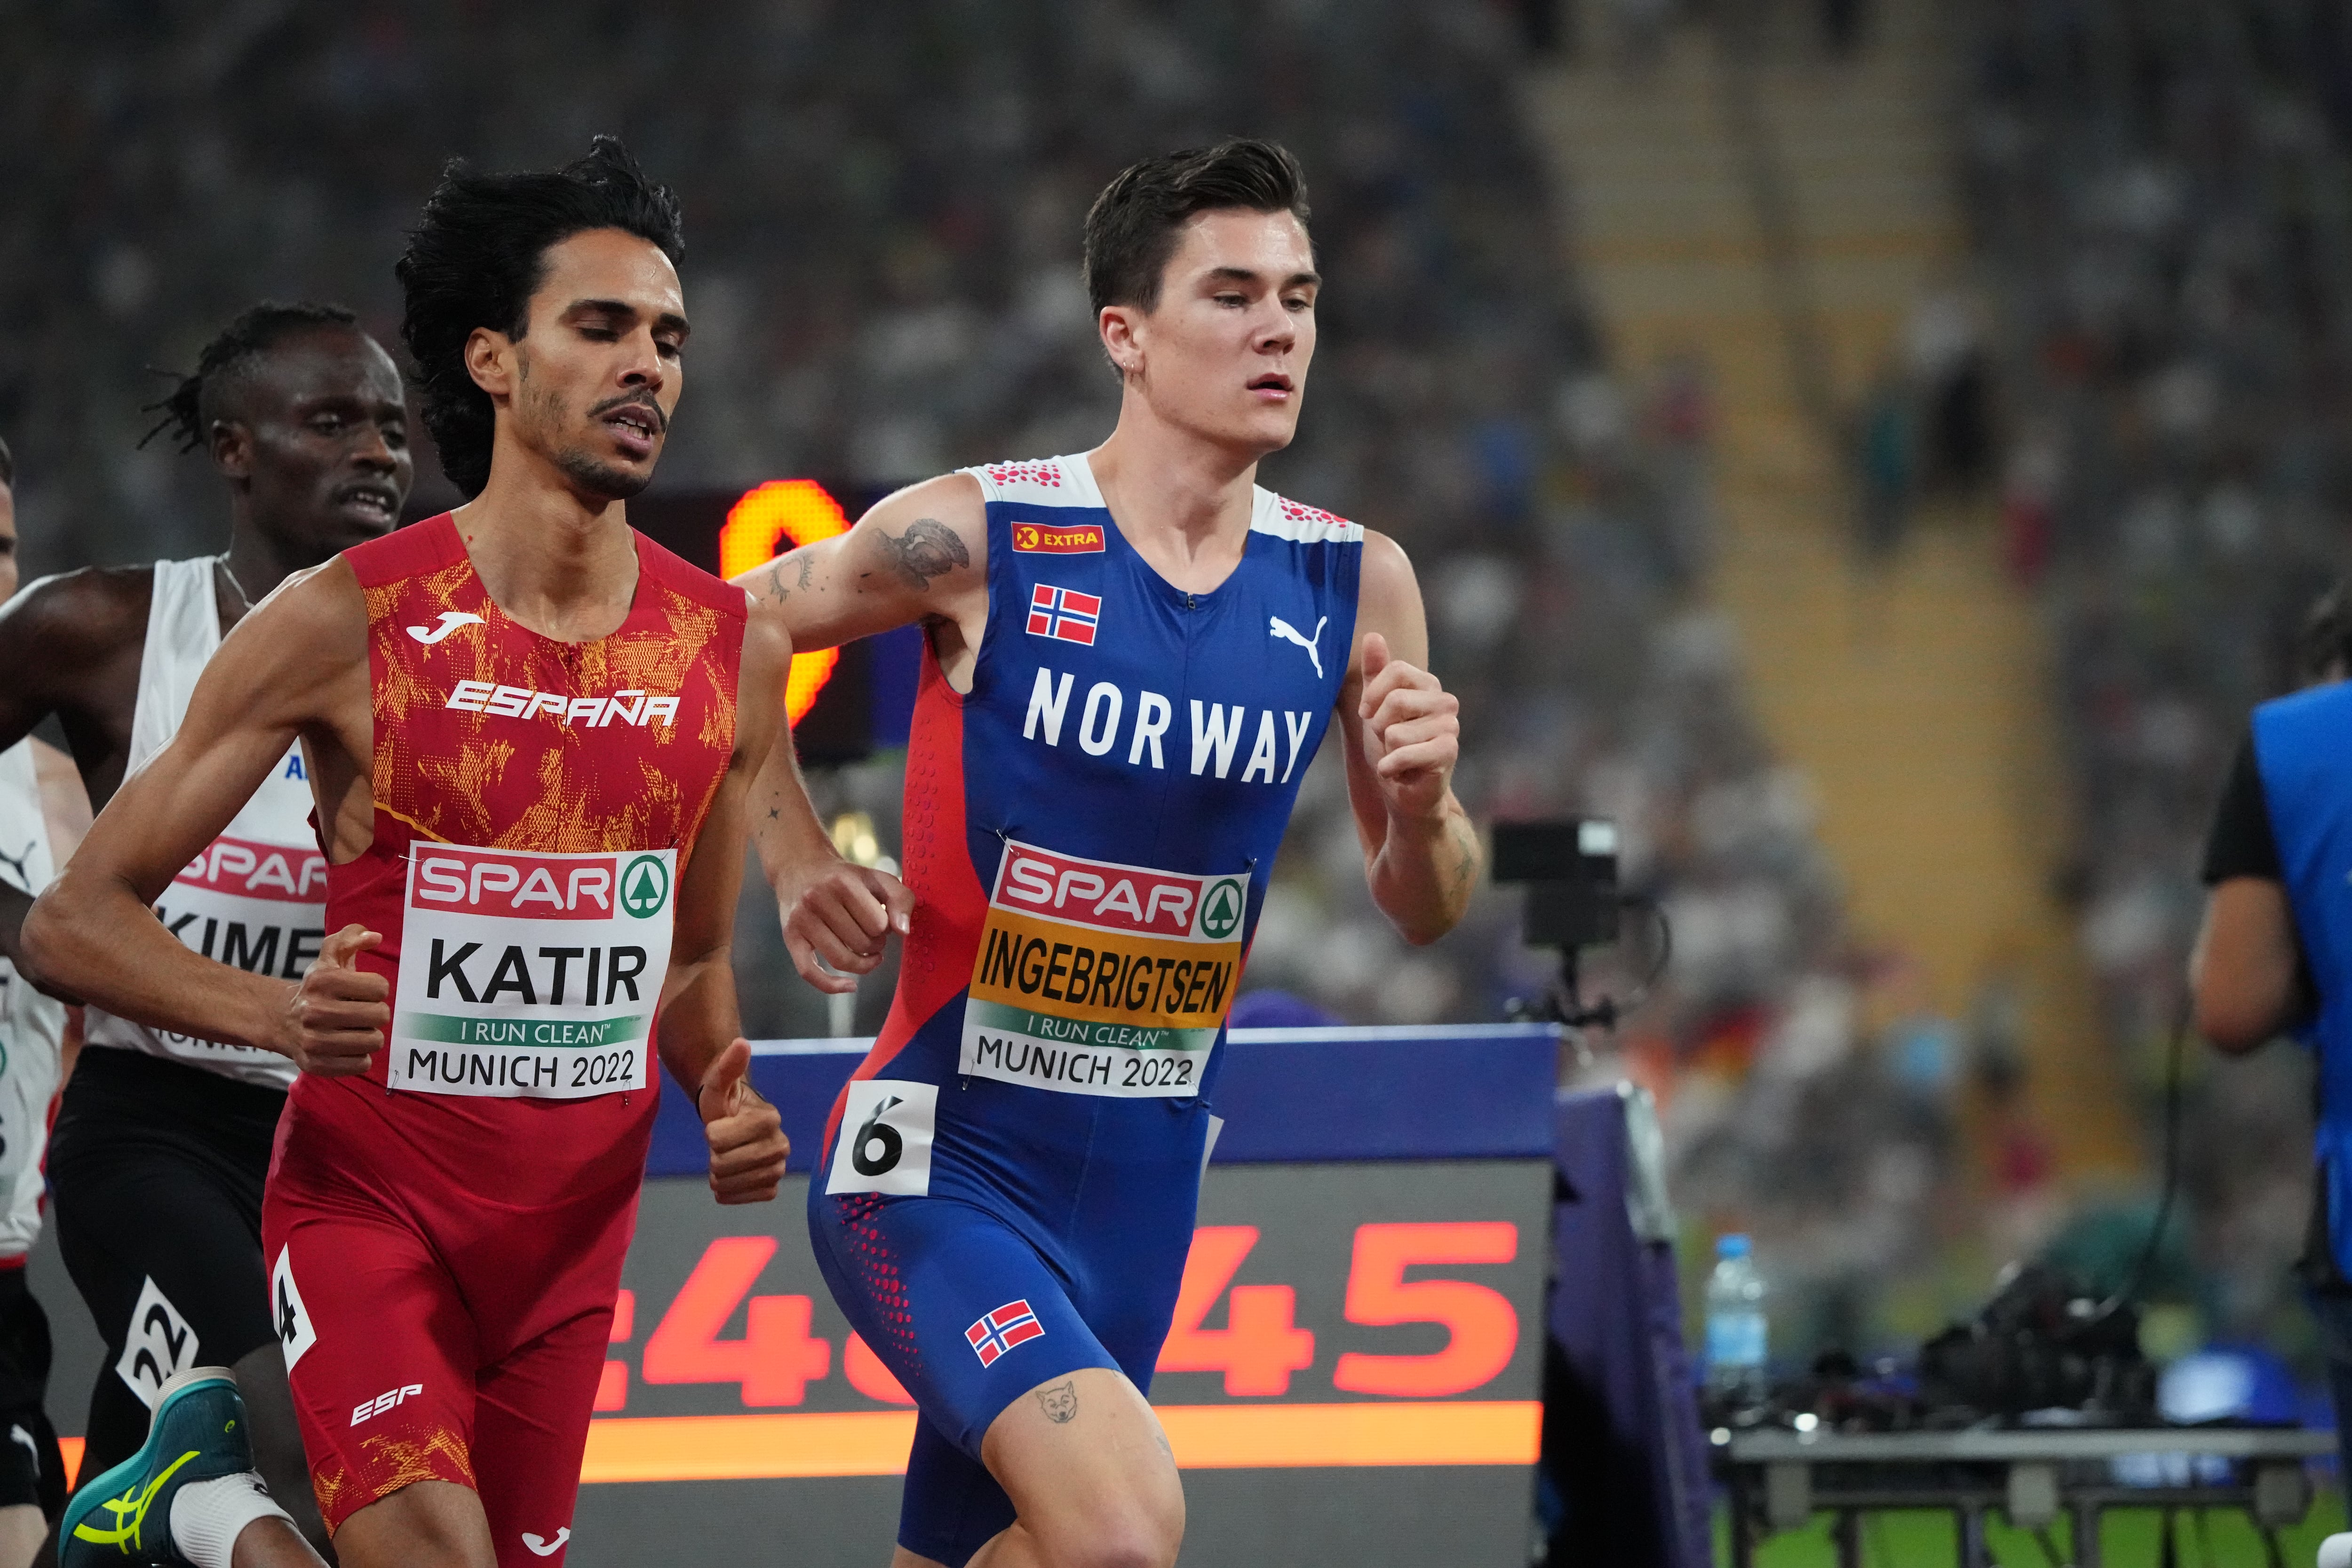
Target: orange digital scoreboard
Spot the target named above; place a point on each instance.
(1352, 1374)
(832, 696)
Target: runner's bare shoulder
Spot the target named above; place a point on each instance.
(66, 624)
(295, 655)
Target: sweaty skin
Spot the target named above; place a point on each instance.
(583, 400)
(1212, 378)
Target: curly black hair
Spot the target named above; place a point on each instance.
(194, 402)
(1131, 228)
(478, 254)
(8, 465)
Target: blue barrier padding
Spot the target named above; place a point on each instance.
(1467, 1091)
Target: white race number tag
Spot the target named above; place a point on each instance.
(885, 1138)
(531, 975)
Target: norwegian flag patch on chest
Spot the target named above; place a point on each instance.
(1064, 613)
(1011, 1324)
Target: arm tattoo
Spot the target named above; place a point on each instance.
(929, 549)
(1060, 1405)
(776, 576)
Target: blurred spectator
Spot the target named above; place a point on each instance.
(2150, 192)
(883, 208)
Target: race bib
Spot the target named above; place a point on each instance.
(528, 974)
(252, 906)
(1097, 978)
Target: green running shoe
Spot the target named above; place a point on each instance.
(124, 1516)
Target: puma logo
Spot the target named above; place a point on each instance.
(1278, 627)
(450, 621)
(545, 1548)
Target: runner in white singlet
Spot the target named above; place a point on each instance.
(162, 1143)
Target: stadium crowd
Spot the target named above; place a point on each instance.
(2157, 195)
(883, 208)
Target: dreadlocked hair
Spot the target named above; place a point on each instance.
(478, 254)
(188, 410)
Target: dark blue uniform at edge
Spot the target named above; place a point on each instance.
(1075, 1209)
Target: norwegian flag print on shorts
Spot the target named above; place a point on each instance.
(1011, 1324)
(1064, 613)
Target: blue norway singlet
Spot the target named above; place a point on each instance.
(1090, 835)
(1008, 1186)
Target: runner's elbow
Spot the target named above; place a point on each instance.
(47, 943)
(1421, 927)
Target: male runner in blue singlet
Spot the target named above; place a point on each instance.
(1132, 656)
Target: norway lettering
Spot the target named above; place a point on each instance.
(1146, 717)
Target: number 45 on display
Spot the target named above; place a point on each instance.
(1260, 1346)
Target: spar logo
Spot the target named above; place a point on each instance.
(1221, 908)
(645, 886)
(1110, 896)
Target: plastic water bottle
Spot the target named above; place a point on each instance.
(1736, 1332)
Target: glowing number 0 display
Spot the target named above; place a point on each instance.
(785, 514)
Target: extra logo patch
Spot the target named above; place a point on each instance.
(1011, 1324)
(885, 1138)
(160, 1343)
(1064, 613)
(1047, 539)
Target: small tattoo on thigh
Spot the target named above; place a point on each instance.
(1060, 1405)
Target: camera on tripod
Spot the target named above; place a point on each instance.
(1570, 869)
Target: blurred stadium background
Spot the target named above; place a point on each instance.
(1874, 450)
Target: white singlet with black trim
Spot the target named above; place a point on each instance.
(32, 1027)
(256, 898)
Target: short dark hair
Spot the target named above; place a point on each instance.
(8, 465)
(478, 254)
(194, 402)
(1131, 228)
(2324, 646)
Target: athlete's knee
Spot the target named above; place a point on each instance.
(1138, 1527)
(1133, 1543)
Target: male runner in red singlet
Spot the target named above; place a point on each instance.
(530, 732)
(1132, 655)
(163, 1141)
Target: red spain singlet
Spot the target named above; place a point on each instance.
(445, 1232)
